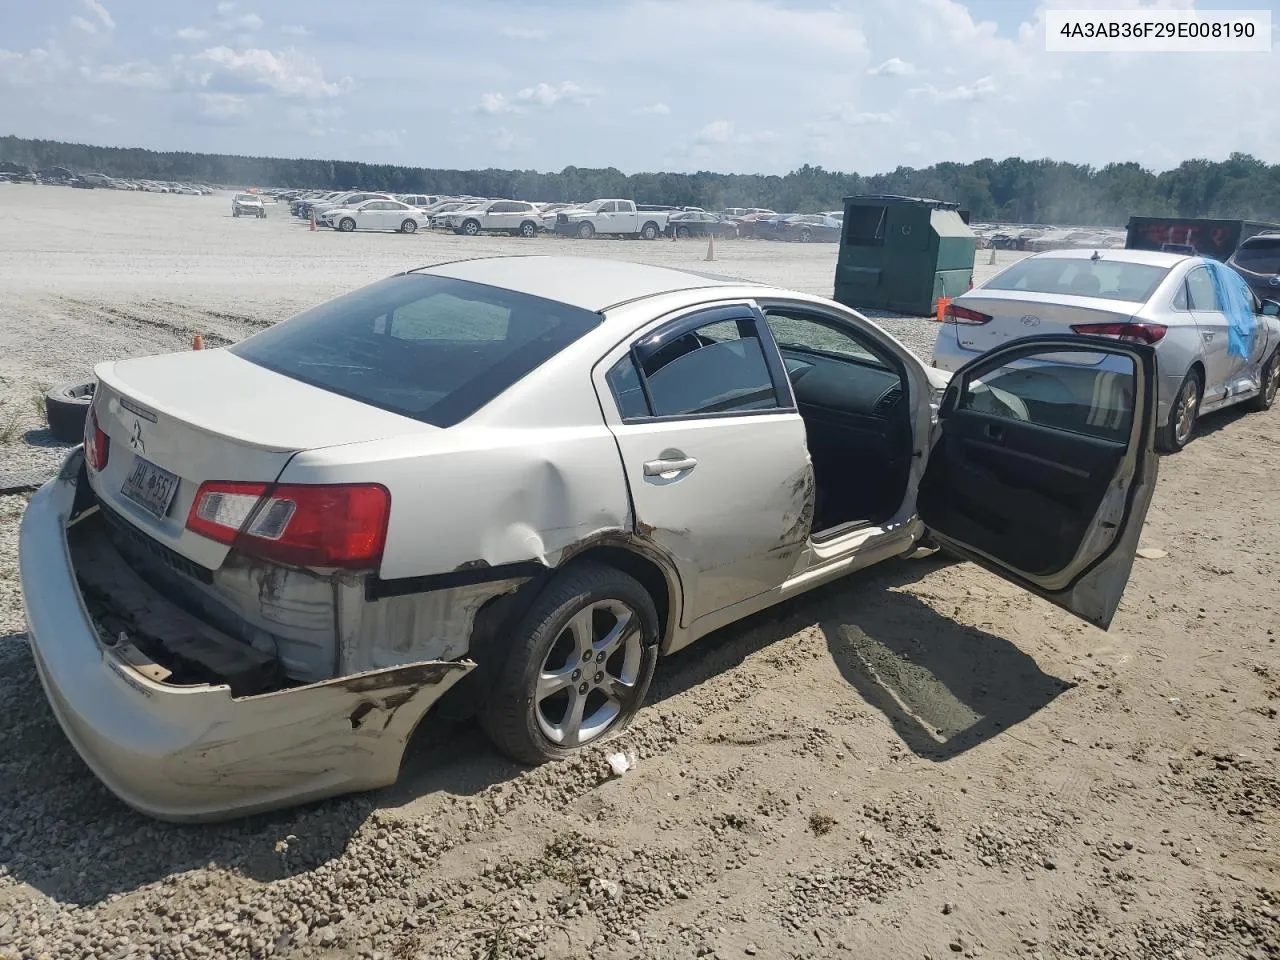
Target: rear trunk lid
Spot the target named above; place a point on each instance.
(1019, 313)
(177, 420)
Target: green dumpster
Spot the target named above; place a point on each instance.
(903, 253)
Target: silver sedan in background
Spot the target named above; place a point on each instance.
(1167, 300)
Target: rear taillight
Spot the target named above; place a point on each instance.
(302, 525)
(958, 314)
(1133, 332)
(97, 445)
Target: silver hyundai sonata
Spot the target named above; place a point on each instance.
(1206, 359)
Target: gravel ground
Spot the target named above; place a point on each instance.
(920, 761)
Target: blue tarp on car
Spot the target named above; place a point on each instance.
(1237, 304)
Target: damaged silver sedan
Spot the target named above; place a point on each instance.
(505, 487)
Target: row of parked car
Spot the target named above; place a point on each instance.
(470, 216)
(62, 177)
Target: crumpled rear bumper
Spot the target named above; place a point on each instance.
(192, 753)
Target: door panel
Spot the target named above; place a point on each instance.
(714, 453)
(1202, 298)
(1044, 474)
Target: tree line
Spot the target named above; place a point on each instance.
(1011, 190)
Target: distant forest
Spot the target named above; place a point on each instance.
(1011, 190)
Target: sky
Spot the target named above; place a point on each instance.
(735, 86)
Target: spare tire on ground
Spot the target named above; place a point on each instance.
(66, 407)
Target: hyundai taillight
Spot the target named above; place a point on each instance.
(302, 525)
(958, 314)
(1133, 332)
(97, 445)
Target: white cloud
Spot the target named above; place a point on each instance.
(226, 7)
(80, 23)
(192, 34)
(223, 106)
(893, 67)
(99, 11)
(135, 75)
(523, 33)
(35, 67)
(288, 74)
(495, 103)
(717, 131)
(980, 89)
(654, 109)
(294, 30)
(548, 95)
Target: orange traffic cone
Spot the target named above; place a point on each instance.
(313, 221)
(197, 342)
(943, 303)
(711, 247)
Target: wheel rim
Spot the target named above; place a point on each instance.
(527, 230)
(585, 230)
(471, 229)
(588, 678)
(410, 226)
(1188, 400)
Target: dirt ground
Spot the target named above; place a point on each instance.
(920, 761)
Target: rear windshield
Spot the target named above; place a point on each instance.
(1105, 279)
(427, 347)
(1260, 256)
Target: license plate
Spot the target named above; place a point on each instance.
(150, 487)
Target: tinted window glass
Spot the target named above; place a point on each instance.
(624, 382)
(1106, 279)
(1260, 256)
(796, 332)
(714, 369)
(1094, 399)
(1201, 292)
(427, 347)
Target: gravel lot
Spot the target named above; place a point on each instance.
(916, 762)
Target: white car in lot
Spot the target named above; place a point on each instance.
(248, 205)
(515, 217)
(377, 215)
(510, 485)
(611, 218)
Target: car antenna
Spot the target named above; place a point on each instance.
(1096, 256)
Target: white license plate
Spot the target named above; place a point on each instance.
(150, 487)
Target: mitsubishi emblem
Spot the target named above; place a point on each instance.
(1030, 321)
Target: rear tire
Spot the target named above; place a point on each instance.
(66, 407)
(1270, 386)
(649, 231)
(524, 712)
(409, 226)
(1183, 414)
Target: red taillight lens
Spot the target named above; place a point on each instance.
(97, 445)
(959, 314)
(1133, 332)
(302, 525)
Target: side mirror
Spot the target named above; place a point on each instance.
(1270, 308)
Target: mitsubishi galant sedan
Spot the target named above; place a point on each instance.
(510, 486)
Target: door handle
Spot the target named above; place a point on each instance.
(994, 432)
(656, 468)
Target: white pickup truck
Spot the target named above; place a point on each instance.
(610, 218)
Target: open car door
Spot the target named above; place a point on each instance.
(1043, 466)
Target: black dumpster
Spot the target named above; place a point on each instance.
(903, 253)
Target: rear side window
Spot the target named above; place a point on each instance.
(1202, 294)
(1260, 256)
(431, 348)
(1104, 279)
(718, 368)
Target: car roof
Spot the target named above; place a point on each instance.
(585, 282)
(1155, 258)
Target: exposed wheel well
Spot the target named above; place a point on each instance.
(648, 573)
(1198, 369)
